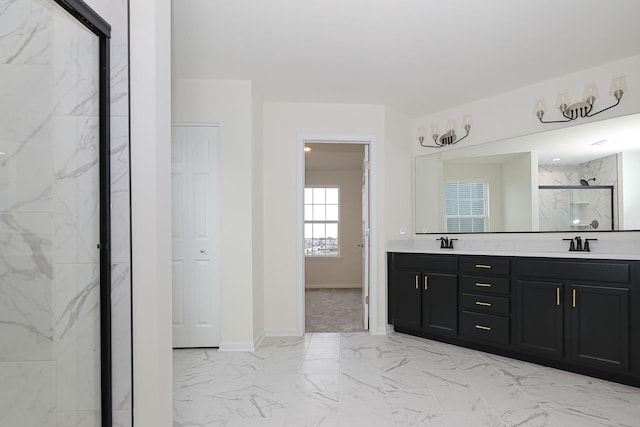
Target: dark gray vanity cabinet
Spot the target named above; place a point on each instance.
(575, 310)
(539, 320)
(485, 301)
(407, 306)
(439, 303)
(424, 295)
(572, 314)
(600, 326)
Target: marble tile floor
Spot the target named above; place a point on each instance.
(357, 379)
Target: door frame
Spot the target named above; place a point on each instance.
(373, 224)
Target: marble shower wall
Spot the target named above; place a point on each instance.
(49, 313)
(556, 205)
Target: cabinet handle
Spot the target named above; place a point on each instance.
(417, 282)
(574, 298)
(485, 304)
(483, 285)
(482, 266)
(426, 282)
(484, 328)
(557, 296)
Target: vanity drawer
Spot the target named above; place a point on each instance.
(484, 327)
(426, 262)
(485, 265)
(485, 303)
(596, 271)
(489, 285)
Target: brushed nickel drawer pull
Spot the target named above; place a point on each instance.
(484, 328)
(557, 296)
(417, 282)
(426, 282)
(485, 304)
(574, 298)
(483, 285)
(482, 266)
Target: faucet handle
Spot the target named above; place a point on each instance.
(451, 243)
(572, 246)
(586, 244)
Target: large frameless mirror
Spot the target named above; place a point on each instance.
(580, 178)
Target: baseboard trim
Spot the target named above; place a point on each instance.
(333, 286)
(281, 332)
(380, 330)
(258, 340)
(237, 346)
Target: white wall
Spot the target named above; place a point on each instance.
(285, 126)
(257, 217)
(150, 64)
(512, 114)
(346, 270)
(517, 188)
(229, 103)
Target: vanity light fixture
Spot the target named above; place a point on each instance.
(448, 138)
(583, 108)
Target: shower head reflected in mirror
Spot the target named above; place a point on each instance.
(594, 224)
(585, 182)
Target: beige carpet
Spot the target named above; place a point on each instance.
(333, 310)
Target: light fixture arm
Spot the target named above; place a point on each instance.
(448, 138)
(579, 109)
(618, 94)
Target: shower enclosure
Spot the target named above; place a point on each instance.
(576, 208)
(55, 364)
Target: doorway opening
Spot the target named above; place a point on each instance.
(336, 236)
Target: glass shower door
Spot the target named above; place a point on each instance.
(50, 366)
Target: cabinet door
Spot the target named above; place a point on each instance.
(440, 303)
(406, 298)
(538, 317)
(600, 326)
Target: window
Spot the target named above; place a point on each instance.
(465, 207)
(321, 215)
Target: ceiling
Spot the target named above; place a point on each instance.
(415, 56)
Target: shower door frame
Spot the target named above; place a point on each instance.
(94, 23)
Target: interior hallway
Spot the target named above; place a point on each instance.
(356, 379)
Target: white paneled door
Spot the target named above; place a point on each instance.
(195, 236)
(365, 236)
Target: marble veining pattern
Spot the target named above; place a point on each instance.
(394, 380)
(558, 207)
(49, 314)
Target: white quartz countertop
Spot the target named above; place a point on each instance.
(511, 248)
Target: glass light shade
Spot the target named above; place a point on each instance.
(539, 105)
(563, 99)
(618, 83)
(590, 89)
(451, 124)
